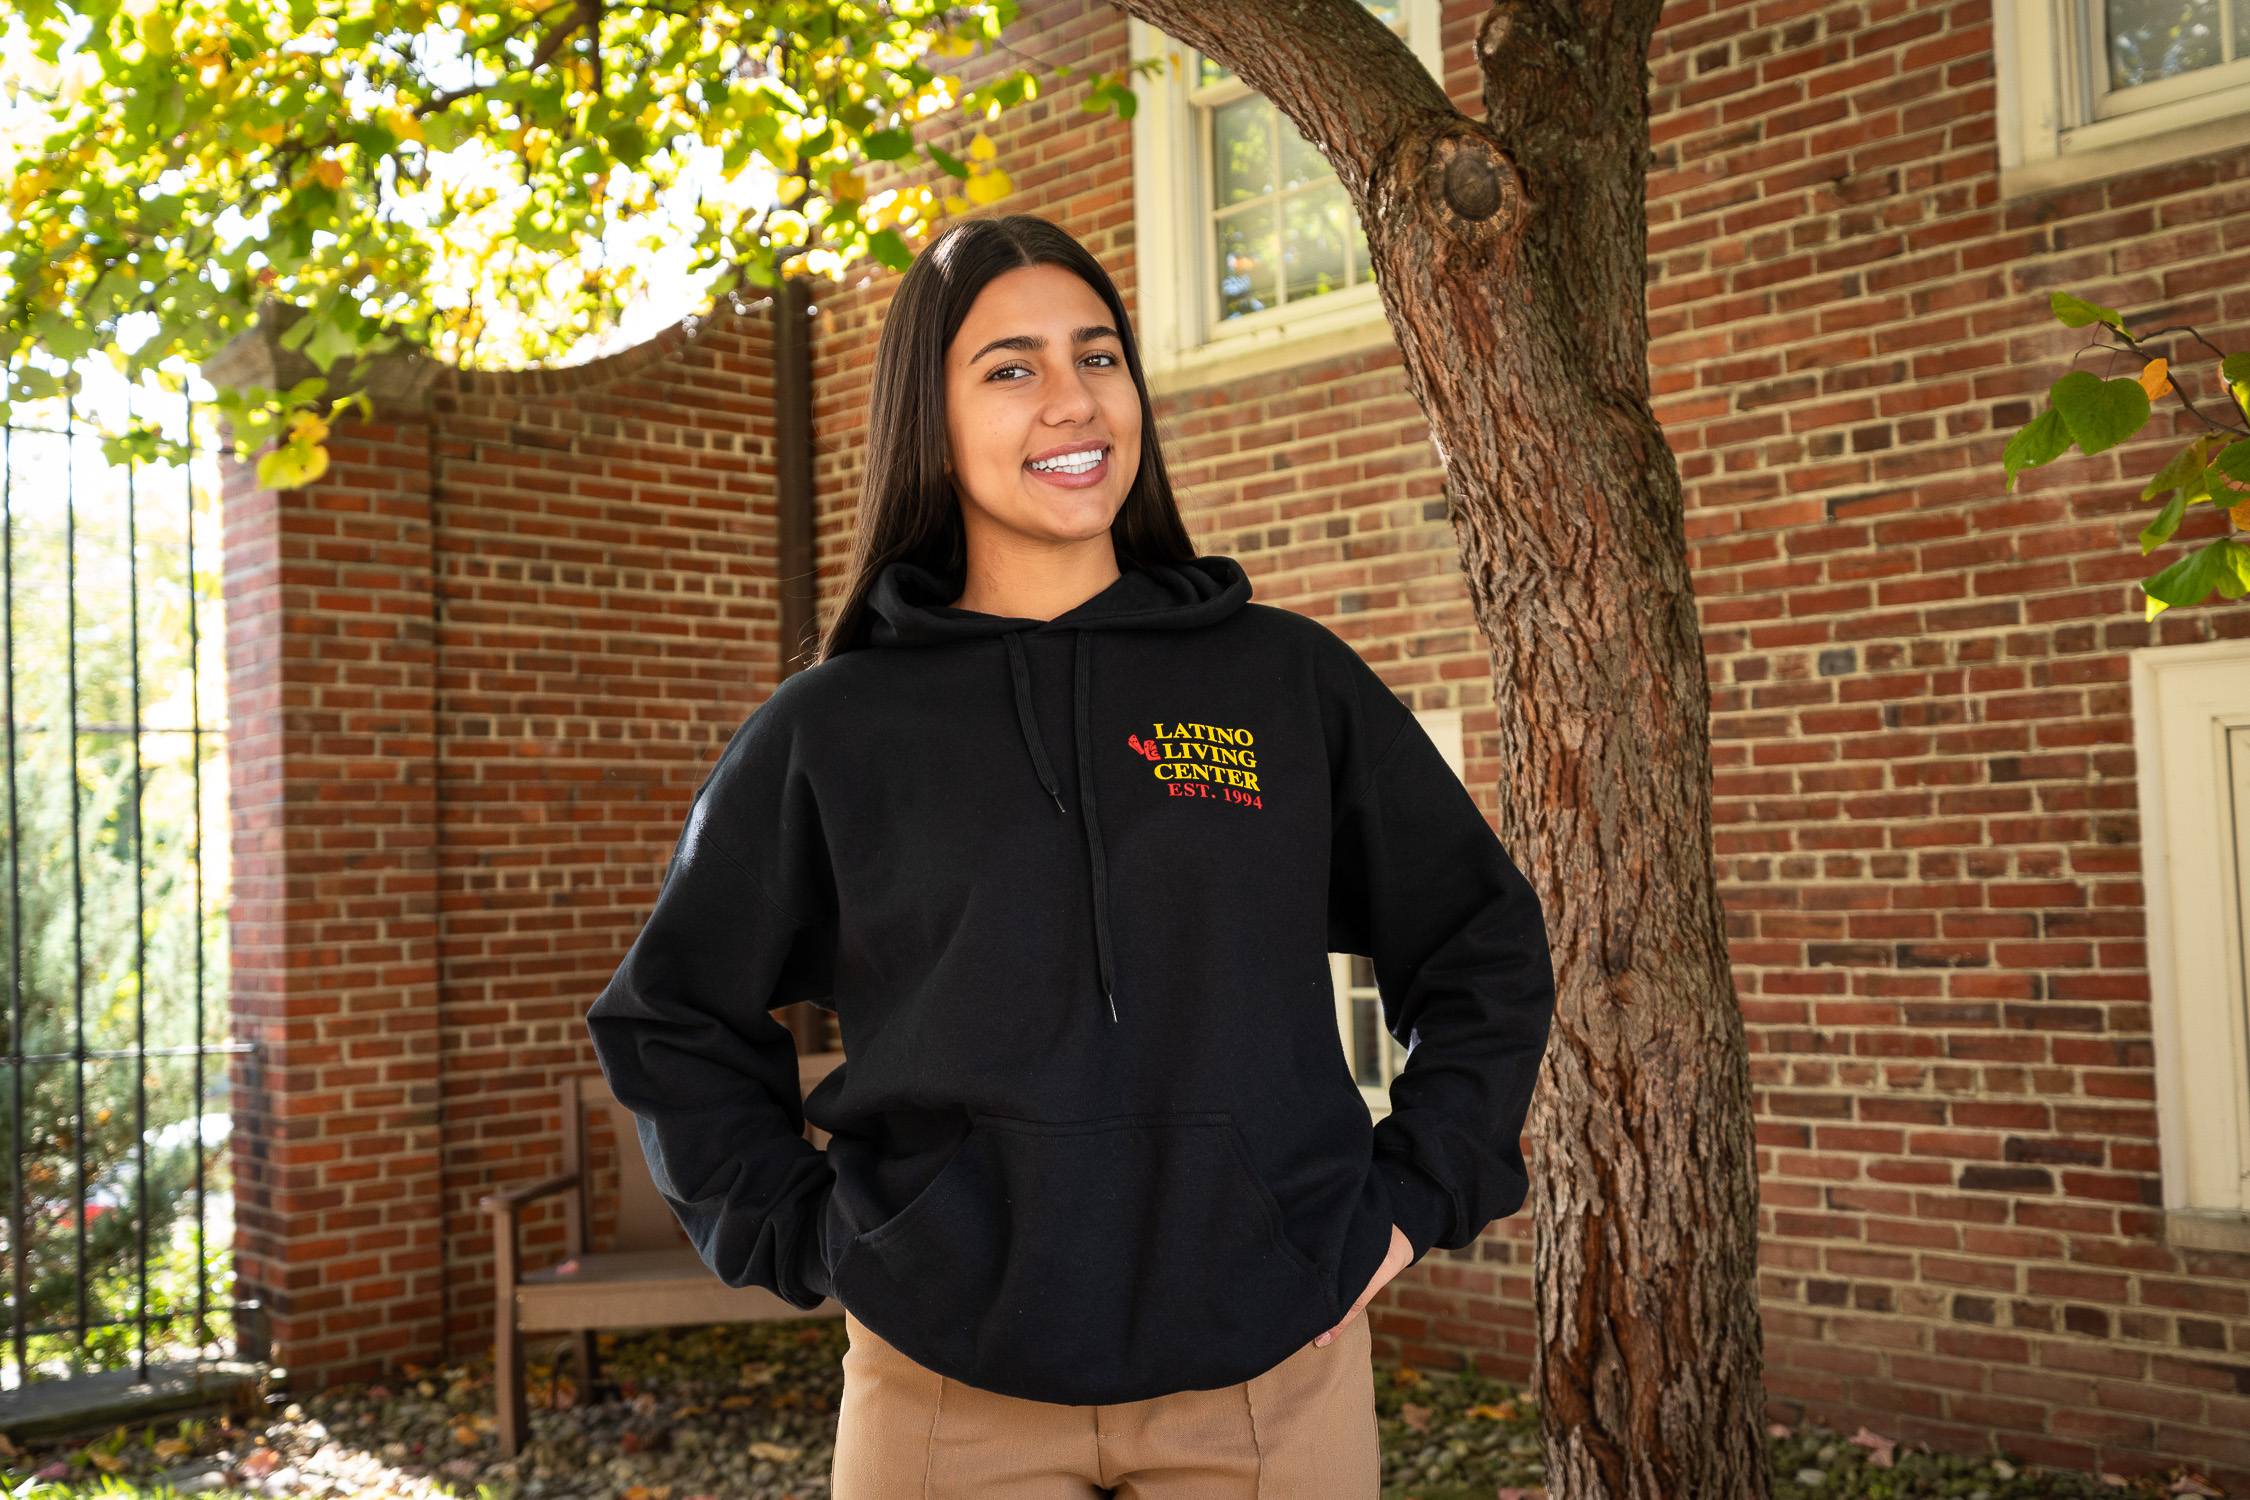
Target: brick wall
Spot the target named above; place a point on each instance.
(332, 789)
(1927, 833)
(475, 674)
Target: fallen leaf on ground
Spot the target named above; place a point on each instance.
(780, 1453)
(2192, 1484)
(1879, 1448)
(1416, 1417)
(1777, 1430)
(1506, 1413)
(1405, 1375)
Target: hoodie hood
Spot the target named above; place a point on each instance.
(910, 608)
(908, 602)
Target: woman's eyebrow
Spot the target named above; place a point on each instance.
(1032, 342)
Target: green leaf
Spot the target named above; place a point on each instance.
(2193, 577)
(2100, 413)
(2041, 442)
(887, 145)
(2234, 579)
(2235, 368)
(329, 343)
(2159, 531)
(886, 246)
(948, 163)
(2076, 312)
(2182, 467)
(2234, 461)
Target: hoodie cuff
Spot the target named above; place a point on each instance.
(1419, 1207)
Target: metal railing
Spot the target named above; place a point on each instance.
(114, 907)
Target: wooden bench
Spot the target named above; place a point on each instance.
(651, 1277)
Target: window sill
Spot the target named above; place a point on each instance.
(2095, 152)
(1320, 334)
(2208, 1229)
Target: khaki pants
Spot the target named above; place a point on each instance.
(1304, 1430)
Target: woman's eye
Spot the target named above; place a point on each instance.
(1108, 360)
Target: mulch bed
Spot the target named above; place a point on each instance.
(747, 1411)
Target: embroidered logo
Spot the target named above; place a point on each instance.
(1203, 760)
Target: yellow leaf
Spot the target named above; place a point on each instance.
(292, 466)
(270, 134)
(2155, 607)
(2240, 515)
(330, 172)
(1505, 1413)
(2153, 380)
(981, 147)
(954, 204)
(404, 124)
(988, 187)
(845, 186)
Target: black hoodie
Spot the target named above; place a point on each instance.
(1070, 887)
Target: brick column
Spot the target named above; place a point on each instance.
(330, 677)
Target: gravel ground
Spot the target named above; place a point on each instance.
(748, 1412)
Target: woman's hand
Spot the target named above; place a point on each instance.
(1400, 1253)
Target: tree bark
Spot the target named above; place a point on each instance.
(1510, 256)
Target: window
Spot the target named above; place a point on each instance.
(1374, 1054)
(1251, 256)
(2094, 88)
(2191, 730)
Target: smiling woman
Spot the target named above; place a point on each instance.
(1043, 438)
(1063, 828)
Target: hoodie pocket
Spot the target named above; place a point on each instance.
(1090, 1262)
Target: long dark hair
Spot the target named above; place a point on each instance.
(907, 507)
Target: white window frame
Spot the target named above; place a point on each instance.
(2191, 741)
(2060, 124)
(1182, 346)
(1444, 727)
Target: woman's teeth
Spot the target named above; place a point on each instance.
(1070, 463)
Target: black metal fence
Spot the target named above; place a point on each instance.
(119, 1225)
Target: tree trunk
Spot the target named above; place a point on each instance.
(1510, 255)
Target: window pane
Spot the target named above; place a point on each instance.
(1315, 227)
(1363, 972)
(1302, 163)
(1363, 269)
(1390, 14)
(1242, 149)
(1246, 261)
(2155, 39)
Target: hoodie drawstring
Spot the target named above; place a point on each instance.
(1095, 863)
(1019, 672)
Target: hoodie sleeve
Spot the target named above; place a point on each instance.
(1421, 886)
(742, 923)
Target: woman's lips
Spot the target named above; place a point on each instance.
(1081, 481)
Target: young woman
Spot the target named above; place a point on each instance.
(1063, 828)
